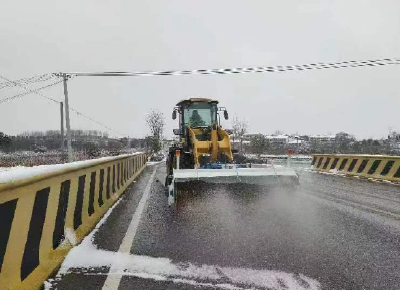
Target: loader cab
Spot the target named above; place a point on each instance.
(199, 115)
(195, 113)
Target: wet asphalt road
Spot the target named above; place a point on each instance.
(342, 232)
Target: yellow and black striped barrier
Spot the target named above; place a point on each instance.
(38, 215)
(367, 166)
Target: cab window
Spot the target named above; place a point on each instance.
(200, 115)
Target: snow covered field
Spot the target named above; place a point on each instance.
(31, 158)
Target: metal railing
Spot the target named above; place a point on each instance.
(367, 166)
(38, 213)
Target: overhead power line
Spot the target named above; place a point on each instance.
(36, 91)
(263, 69)
(26, 81)
(97, 122)
(29, 92)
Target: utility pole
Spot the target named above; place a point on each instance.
(68, 125)
(62, 126)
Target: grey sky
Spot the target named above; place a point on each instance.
(49, 36)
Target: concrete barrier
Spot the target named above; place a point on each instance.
(42, 216)
(367, 166)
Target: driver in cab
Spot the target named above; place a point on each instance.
(196, 120)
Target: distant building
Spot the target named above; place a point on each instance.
(322, 138)
(296, 141)
(277, 139)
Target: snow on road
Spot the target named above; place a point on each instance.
(163, 269)
(86, 257)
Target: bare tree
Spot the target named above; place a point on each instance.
(239, 128)
(156, 123)
(5, 140)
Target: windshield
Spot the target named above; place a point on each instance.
(200, 114)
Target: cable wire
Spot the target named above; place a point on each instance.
(312, 66)
(36, 91)
(272, 69)
(29, 92)
(97, 122)
(26, 81)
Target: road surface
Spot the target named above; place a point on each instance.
(333, 232)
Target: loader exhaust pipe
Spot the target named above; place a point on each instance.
(178, 157)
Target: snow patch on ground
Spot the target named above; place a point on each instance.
(70, 236)
(154, 162)
(86, 245)
(14, 174)
(88, 256)
(47, 285)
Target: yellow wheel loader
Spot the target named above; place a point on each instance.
(203, 154)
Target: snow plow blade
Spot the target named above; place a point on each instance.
(267, 176)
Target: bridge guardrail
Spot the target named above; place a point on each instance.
(41, 216)
(367, 166)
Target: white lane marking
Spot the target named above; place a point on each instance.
(112, 281)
